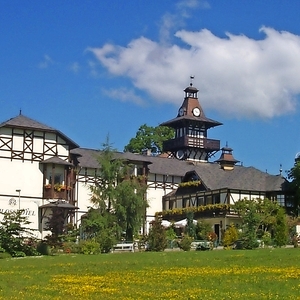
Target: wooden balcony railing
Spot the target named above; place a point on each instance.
(51, 193)
(195, 142)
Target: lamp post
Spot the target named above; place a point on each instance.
(19, 191)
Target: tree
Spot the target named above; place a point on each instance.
(257, 215)
(119, 193)
(15, 236)
(281, 229)
(294, 176)
(151, 138)
(100, 226)
(157, 238)
(55, 224)
(109, 174)
(190, 226)
(130, 206)
(252, 221)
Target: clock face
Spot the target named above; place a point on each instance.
(181, 111)
(196, 112)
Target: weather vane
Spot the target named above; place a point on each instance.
(192, 77)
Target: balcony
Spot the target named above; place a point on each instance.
(54, 192)
(193, 142)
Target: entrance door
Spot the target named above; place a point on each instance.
(217, 232)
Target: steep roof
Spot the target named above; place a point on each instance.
(211, 175)
(169, 166)
(242, 178)
(24, 122)
(56, 160)
(88, 158)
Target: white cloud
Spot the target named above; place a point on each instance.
(47, 61)
(236, 75)
(170, 22)
(124, 95)
(92, 65)
(192, 4)
(74, 67)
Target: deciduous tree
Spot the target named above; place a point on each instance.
(257, 215)
(294, 176)
(149, 138)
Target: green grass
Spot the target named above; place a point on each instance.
(218, 274)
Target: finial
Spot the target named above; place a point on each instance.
(20, 113)
(280, 169)
(192, 77)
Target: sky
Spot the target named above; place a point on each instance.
(96, 69)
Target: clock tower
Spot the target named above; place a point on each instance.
(191, 126)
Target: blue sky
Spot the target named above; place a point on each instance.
(93, 68)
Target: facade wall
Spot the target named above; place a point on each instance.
(21, 152)
(26, 176)
(30, 206)
(83, 196)
(154, 193)
(240, 196)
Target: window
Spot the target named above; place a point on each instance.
(208, 200)
(179, 203)
(216, 199)
(171, 204)
(140, 171)
(289, 201)
(200, 201)
(280, 200)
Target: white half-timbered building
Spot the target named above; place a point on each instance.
(42, 168)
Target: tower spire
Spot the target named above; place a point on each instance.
(191, 126)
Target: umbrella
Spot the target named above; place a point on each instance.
(183, 223)
(165, 223)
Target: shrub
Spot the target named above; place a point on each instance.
(157, 236)
(4, 255)
(14, 234)
(89, 247)
(230, 236)
(281, 229)
(70, 247)
(43, 248)
(202, 229)
(18, 254)
(267, 239)
(185, 243)
(106, 240)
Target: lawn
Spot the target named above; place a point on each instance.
(218, 274)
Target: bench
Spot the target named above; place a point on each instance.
(123, 247)
(201, 245)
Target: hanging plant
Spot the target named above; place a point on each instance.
(201, 208)
(190, 183)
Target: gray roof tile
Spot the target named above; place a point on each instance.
(211, 175)
(24, 122)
